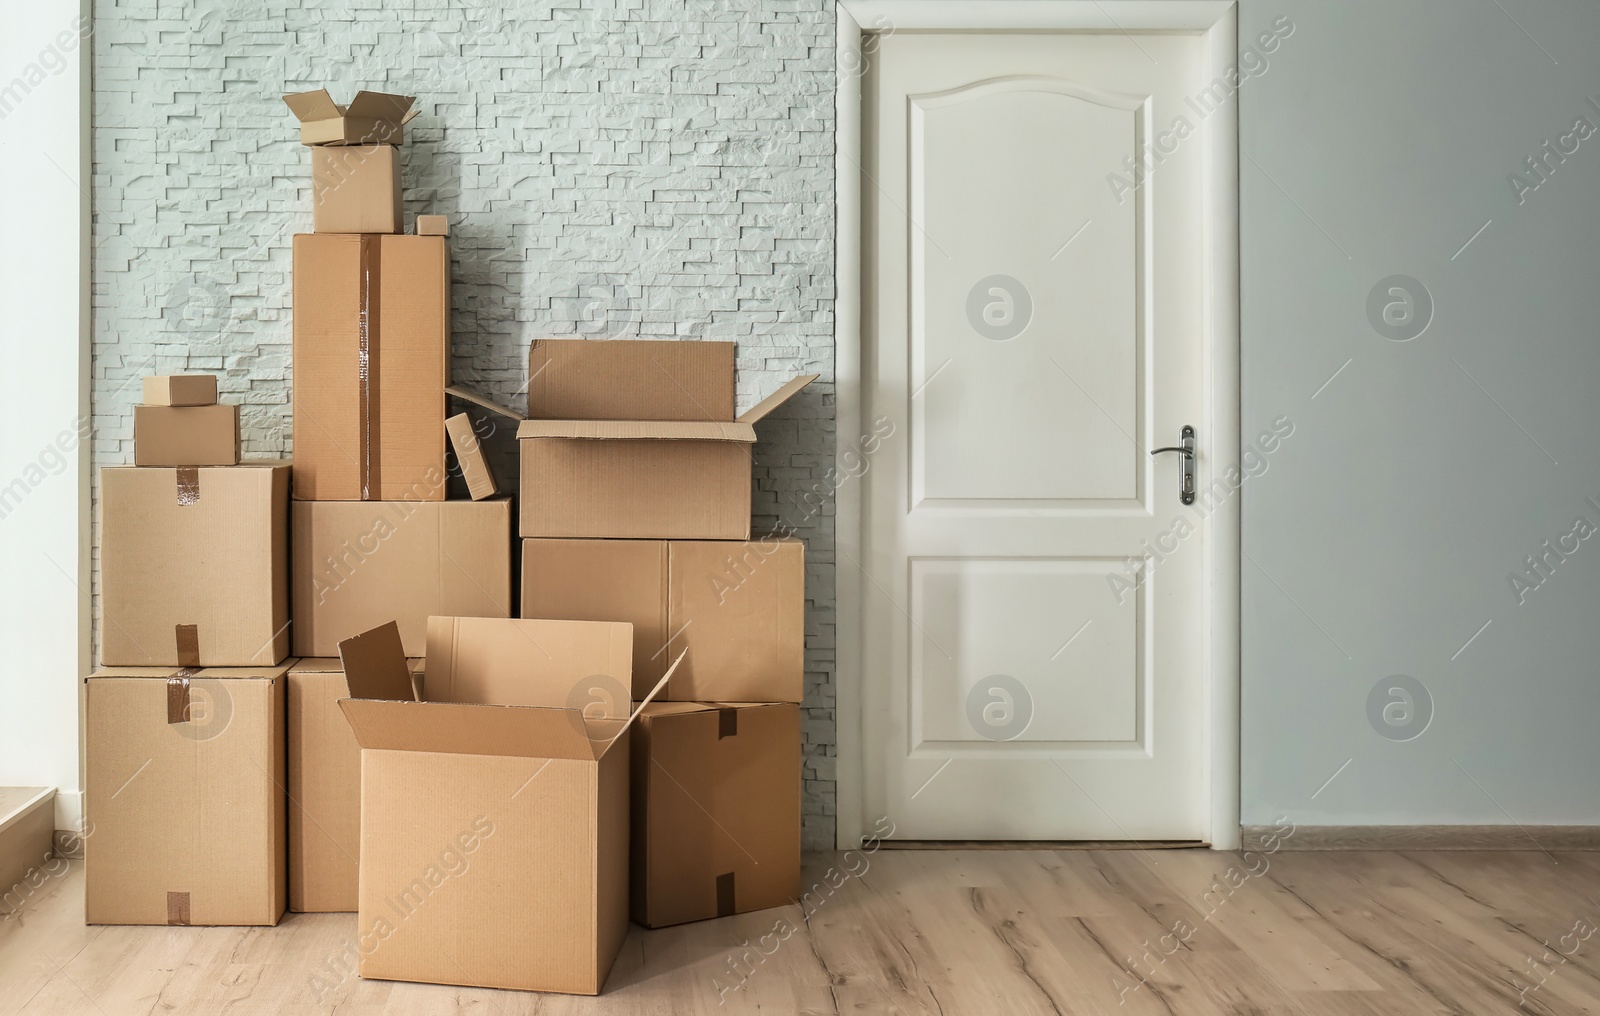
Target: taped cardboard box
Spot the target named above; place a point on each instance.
(180, 390)
(738, 609)
(355, 189)
(186, 435)
(184, 791)
(630, 379)
(716, 810)
(371, 362)
(370, 118)
(356, 564)
(495, 813)
(324, 789)
(194, 565)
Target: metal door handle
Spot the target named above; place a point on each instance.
(1186, 476)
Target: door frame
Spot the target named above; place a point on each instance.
(1217, 21)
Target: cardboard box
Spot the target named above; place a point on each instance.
(469, 456)
(186, 435)
(355, 189)
(324, 789)
(184, 790)
(635, 379)
(180, 390)
(371, 118)
(494, 816)
(716, 810)
(357, 564)
(371, 362)
(738, 609)
(194, 565)
(433, 225)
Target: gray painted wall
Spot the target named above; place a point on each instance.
(1382, 536)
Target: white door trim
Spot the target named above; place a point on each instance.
(857, 21)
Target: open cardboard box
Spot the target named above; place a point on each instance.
(371, 117)
(494, 815)
(677, 467)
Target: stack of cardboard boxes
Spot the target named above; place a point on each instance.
(494, 794)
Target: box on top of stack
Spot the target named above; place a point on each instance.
(355, 158)
(638, 439)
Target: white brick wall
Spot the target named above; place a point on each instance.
(634, 167)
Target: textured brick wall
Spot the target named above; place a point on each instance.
(638, 168)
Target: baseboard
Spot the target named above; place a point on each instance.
(1423, 837)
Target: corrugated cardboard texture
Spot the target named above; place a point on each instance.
(493, 871)
(738, 608)
(433, 225)
(194, 565)
(617, 379)
(188, 818)
(409, 304)
(357, 564)
(517, 662)
(469, 456)
(371, 118)
(716, 810)
(324, 767)
(647, 489)
(180, 390)
(186, 435)
(355, 189)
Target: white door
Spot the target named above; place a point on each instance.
(1034, 632)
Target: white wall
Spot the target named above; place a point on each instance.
(44, 386)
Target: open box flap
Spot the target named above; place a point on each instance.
(455, 728)
(638, 430)
(375, 665)
(463, 392)
(380, 106)
(312, 106)
(759, 411)
(531, 662)
(605, 732)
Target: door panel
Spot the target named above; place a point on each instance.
(1033, 626)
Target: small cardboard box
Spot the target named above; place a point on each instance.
(371, 362)
(194, 565)
(357, 564)
(372, 118)
(738, 609)
(186, 435)
(324, 789)
(716, 810)
(632, 379)
(494, 815)
(355, 189)
(184, 790)
(180, 390)
(433, 225)
(469, 456)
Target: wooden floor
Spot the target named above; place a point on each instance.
(956, 933)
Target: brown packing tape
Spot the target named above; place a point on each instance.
(367, 362)
(187, 637)
(725, 902)
(188, 485)
(178, 697)
(727, 722)
(178, 909)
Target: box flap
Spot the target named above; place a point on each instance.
(461, 729)
(463, 392)
(380, 106)
(605, 731)
(759, 411)
(375, 665)
(309, 107)
(531, 662)
(411, 114)
(637, 430)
